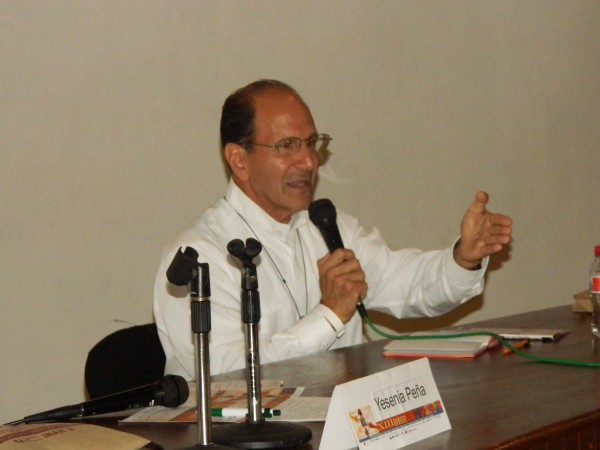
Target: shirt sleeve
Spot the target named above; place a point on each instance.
(410, 282)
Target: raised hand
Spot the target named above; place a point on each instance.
(482, 233)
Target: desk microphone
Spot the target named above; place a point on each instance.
(183, 267)
(170, 390)
(323, 215)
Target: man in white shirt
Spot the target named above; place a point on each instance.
(308, 297)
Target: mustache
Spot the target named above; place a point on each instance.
(303, 176)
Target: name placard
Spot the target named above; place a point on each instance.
(386, 410)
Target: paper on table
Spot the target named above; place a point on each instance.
(229, 394)
(534, 334)
(223, 398)
(303, 409)
(239, 384)
(186, 412)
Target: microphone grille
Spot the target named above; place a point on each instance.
(176, 390)
(322, 212)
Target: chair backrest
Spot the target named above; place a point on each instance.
(125, 359)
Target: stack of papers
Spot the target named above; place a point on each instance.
(459, 347)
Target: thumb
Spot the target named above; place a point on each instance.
(475, 211)
(481, 200)
(482, 197)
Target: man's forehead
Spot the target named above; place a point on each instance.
(276, 99)
(281, 109)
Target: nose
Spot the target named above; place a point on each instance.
(306, 157)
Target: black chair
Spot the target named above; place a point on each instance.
(125, 359)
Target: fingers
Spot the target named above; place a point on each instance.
(499, 219)
(494, 223)
(342, 283)
(483, 233)
(493, 235)
(499, 229)
(342, 262)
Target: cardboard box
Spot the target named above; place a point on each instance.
(583, 303)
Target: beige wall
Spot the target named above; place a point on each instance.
(108, 130)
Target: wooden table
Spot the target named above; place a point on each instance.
(493, 402)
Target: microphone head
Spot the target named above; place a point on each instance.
(236, 248)
(245, 252)
(253, 247)
(175, 389)
(183, 267)
(322, 213)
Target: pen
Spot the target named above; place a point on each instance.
(519, 345)
(241, 412)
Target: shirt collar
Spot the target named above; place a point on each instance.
(257, 217)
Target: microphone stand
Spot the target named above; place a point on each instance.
(255, 432)
(183, 266)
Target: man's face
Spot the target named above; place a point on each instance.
(281, 185)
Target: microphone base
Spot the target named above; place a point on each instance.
(208, 447)
(262, 435)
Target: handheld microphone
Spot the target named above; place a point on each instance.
(323, 215)
(170, 390)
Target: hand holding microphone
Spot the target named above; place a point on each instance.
(341, 277)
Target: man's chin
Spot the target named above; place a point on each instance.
(303, 205)
(299, 199)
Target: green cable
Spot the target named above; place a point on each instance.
(499, 338)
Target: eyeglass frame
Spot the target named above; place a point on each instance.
(324, 137)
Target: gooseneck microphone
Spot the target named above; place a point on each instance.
(170, 390)
(323, 215)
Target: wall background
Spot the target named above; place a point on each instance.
(109, 117)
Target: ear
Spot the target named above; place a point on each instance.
(236, 156)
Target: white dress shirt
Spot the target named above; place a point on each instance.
(404, 283)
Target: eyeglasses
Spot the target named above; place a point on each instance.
(290, 146)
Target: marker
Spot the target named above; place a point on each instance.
(519, 345)
(241, 412)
